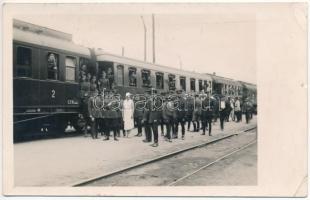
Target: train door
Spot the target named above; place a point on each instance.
(108, 69)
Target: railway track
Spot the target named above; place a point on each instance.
(165, 157)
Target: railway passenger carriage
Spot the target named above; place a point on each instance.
(46, 83)
(130, 75)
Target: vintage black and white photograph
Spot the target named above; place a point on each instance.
(143, 98)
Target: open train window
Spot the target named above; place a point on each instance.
(171, 82)
(146, 78)
(183, 83)
(84, 67)
(159, 80)
(200, 85)
(205, 85)
(70, 68)
(52, 66)
(192, 85)
(23, 61)
(120, 75)
(132, 73)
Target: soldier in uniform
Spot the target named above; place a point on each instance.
(180, 114)
(94, 114)
(146, 113)
(93, 86)
(120, 123)
(152, 118)
(168, 115)
(247, 109)
(224, 107)
(100, 104)
(111, 116)
(138, 113)
(190, 109)
(103, 82)
(196, 113)
(207, 114)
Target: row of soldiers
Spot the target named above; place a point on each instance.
(102, 112)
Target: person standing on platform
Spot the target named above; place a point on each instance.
(152, 117)
(238, 109)
(222, 110)
(94, 114)
(227, 108)
(196, 113)
(100, 103)
(128, 113)
(247, 109)
(180, 114)
(111, 117)
(168, 117)
(119, 111)
(138, 114)
(232, 113)
(146, 113)
(207, 114)
(190, 108)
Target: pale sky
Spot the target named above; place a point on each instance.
(225, 44)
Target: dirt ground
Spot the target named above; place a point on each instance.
(237, 169)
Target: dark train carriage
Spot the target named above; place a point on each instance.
(46, 83)
(250, 93)
(226, 86)
(134, 76)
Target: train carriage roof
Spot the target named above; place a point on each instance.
(104, 56)
(224, 80)
(38, 35)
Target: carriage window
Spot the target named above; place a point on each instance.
(120, 74)
(159, 80)
(146, 78)
(133, 77)
(200, 85)
(205, 86)
(171, 82)
(83, 66)
(70, 68)
(23, 61)
(52, 66)
(183, 83)
(193, 87)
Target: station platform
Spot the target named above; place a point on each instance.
(68, 161)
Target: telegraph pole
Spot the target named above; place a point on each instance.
(144, 37)
(153, 29)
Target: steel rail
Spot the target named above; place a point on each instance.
(122, 170)
(213, 162)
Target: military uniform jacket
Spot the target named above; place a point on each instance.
(103, 83)
(181, 110)
(151, 114)
(189, 106)
(112, 108)
(207, 109)
(139, 109)
(168, 111)
(93, 110)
